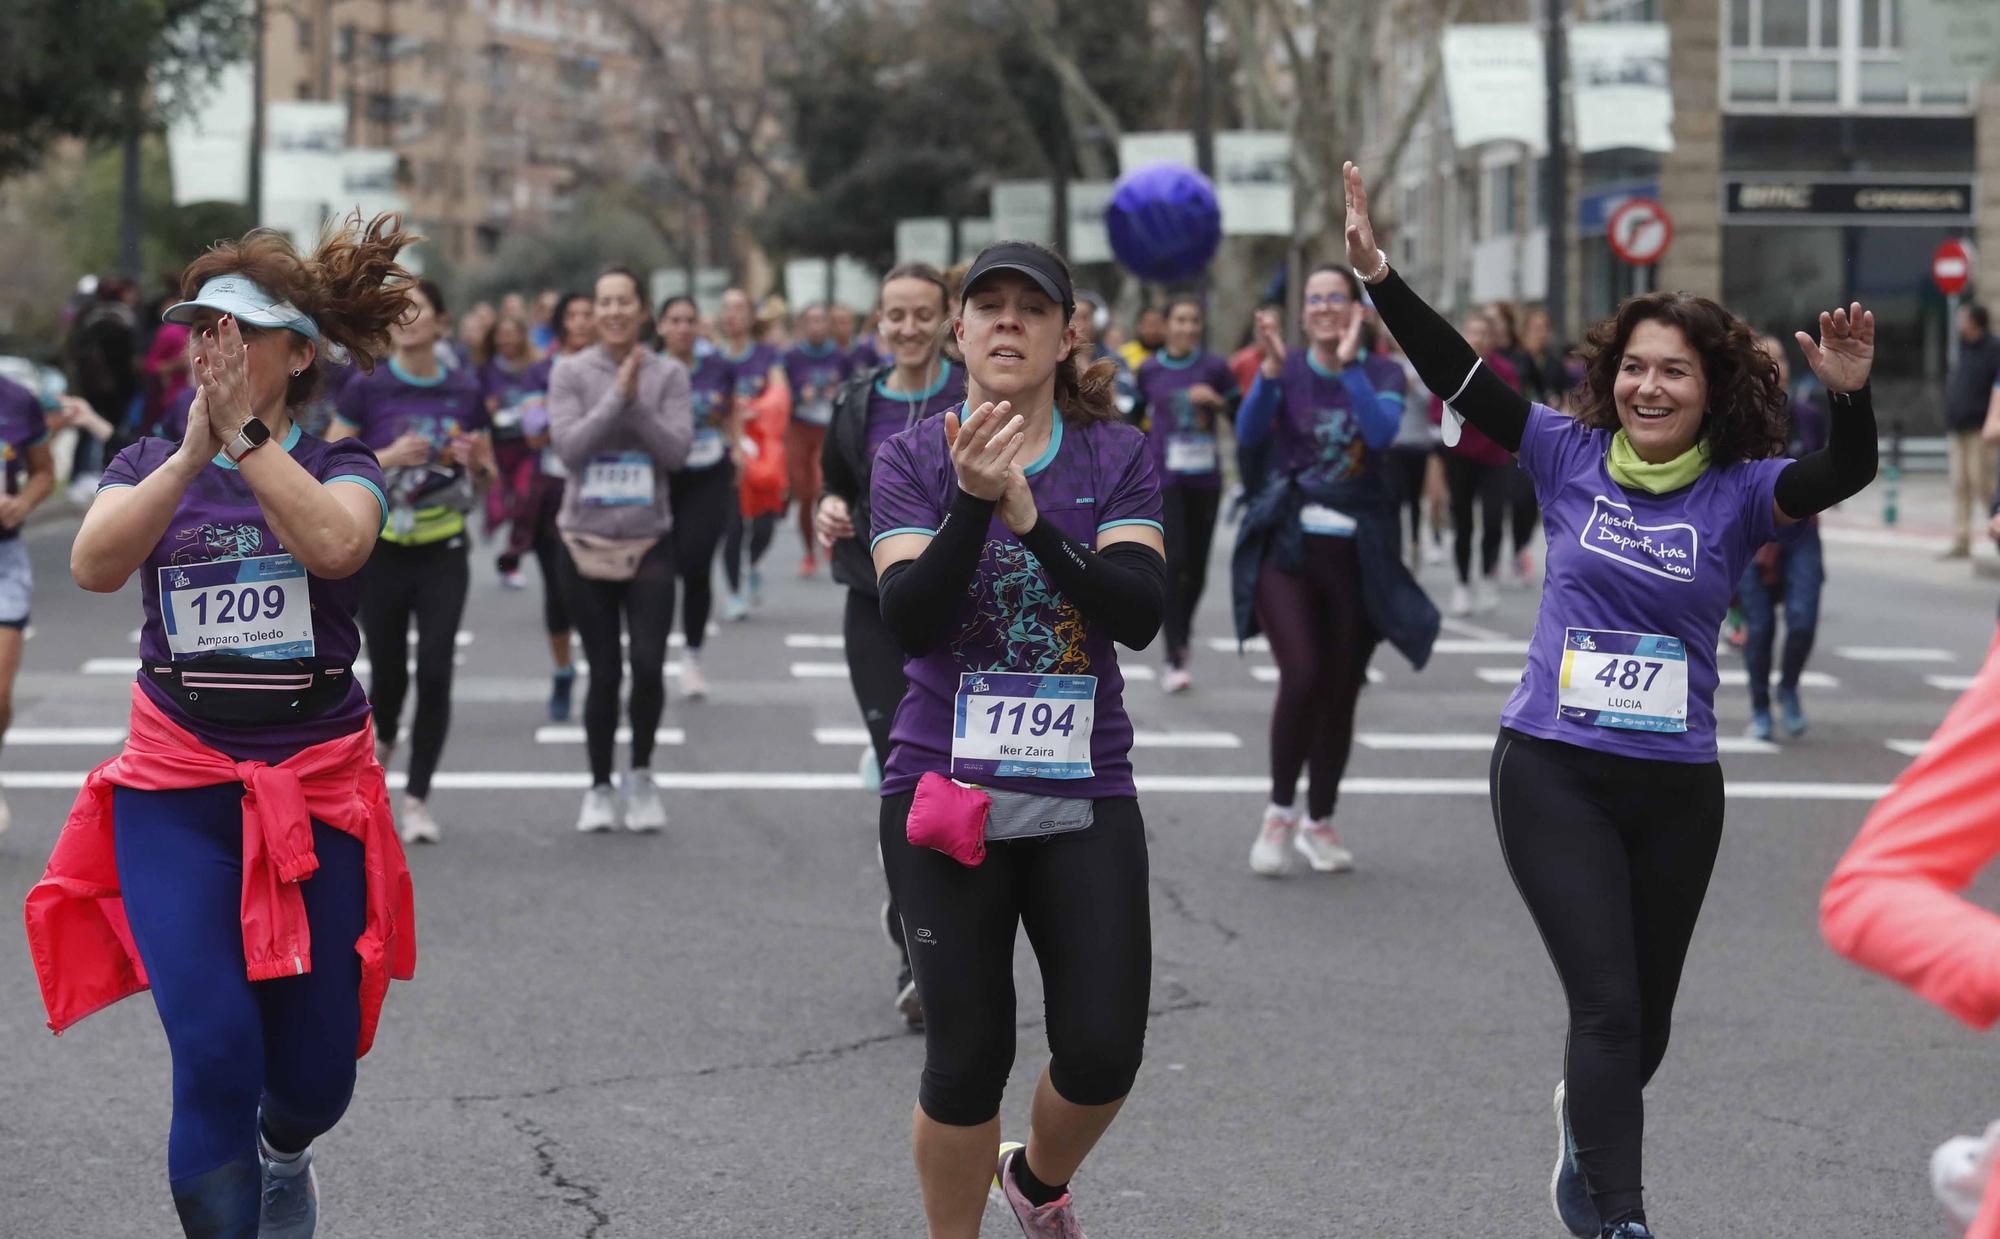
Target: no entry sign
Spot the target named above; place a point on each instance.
(1951, 267)
(1639, 231)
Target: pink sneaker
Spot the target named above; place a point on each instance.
(1055, 1220)
(1320, 844)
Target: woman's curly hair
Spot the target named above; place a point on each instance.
(350, 285)
(1748, 416)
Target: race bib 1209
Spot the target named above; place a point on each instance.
(1635, 681)
(1016, 725)
(255, 608)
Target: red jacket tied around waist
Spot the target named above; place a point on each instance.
(83, 950)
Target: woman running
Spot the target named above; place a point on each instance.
(765, 397)
(572, 320)
(427, 427)
(917, 384)
(507, 378)
(1606, 792)
(1189, 392)
(238, 856)
(704, 489)
(622, 419)
(815, 368)
(1318, 566)
(1477, 470)
(1016, 540)
(27, 476)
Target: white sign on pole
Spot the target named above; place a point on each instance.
(924, 240)
(208, 146)
(1024, 210)
(973, 235)
(368, 182)
(1253, 183)
(1138, 150)
(1623, 95)
(666, 282)
(1951, 42)
(304, 174)
(1494, 87)
(806, 281)
(709, 285)
(855, 283)
(1089, 240)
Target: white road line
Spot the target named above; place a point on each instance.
(801, 781)
(819, 671)
(1269, 675)
(1950, 683)
(814, 641)
(1444, 645)
(1227, 645)
(563, 734)
(127, 666)
(842, 737)
(1728, 677)
(1908, 748)
(1892, 654)
(1474, 631)
(57, 736)
(1478, 742)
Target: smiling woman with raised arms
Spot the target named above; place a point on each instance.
(1604, 781)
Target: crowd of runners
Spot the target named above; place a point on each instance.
(1007, 489)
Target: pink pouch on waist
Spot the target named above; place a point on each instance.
(950, 819)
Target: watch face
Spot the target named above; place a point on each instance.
(255, 431)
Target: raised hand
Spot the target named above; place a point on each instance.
(222, 368)
(1845, 352)
(1362, 252)
(1017, 502)
(628, 376)
(1349, 347)
(984, 447)
(1271, 338)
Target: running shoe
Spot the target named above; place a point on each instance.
(1760, 725)
(1267, 855)
(1055, 1220)
(1461, 601)
(1568, 1194)
(1792, 713)
(6, 816)
(290, 1205)
(735, 608)
(756, 587)
(694, 685)
(1524, 567)
(418, 824)
(908, 1005)
(1175, 680)
(645, 812)
(1434, 553)
(385, 752)
(871, 772)
(513, 580)
(1626, 1230)
(1960, 1170)
(1320, 844)
(562, 686)
(808, 566)
(1485, 599)
(600, 810)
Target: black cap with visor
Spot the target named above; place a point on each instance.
(1032, 261)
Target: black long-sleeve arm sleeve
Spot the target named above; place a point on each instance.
(1123, 587)
(920, 596)
(1448, 366)
(1840, 470)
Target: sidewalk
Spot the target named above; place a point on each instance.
(1923, 521)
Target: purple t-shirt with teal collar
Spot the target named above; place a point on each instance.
(712, 385)
(220, 561)
(815, 372)
(1316, 436)
(1636, 589)
(1015, 634)
(753, 369)
(22, 426)
(1186, 452)
(510, 394)
(890, 413)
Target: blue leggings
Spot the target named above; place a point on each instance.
(283, 1047)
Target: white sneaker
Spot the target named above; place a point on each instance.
(418, 824)
(1461, 601)
(694, 685)
(1433, 553)
(1267, 855)
(1960, 1170)
(1320, 844)
(1175, 680)
(871, 772)
(645, 812)
(1485, 599)
(735, 608)
(6, 816)
(513, 580)
(600, 810)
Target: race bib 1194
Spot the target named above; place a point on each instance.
(1017, 725)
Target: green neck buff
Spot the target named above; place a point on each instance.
(1630, 470)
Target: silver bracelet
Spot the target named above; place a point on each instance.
(1379, 271)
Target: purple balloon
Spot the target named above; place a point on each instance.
(1164, 222)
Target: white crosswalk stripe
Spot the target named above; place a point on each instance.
(1908, 748)
(1892, 654)
(1728, 677)
(1269, 675)
(1477, 742)
(559, 733)
(1949, 683)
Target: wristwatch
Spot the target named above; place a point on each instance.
(253, 435)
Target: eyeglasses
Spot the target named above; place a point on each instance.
(1330, 300)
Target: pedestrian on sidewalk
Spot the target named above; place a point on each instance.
(1971, 406)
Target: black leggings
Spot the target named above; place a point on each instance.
(548, 558)
(1082, 897)
(1187, 519)
(1322, 641)
(643, 605)
(1523, 509)
(762, 530)
(1612, 856)
(875, 668)
(429, 582)
(1407, 469)
(1468, 479)
(702, 500)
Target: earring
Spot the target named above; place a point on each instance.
(297, 373)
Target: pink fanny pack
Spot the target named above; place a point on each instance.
(949, 818)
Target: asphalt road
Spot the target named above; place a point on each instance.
(691, 1035)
